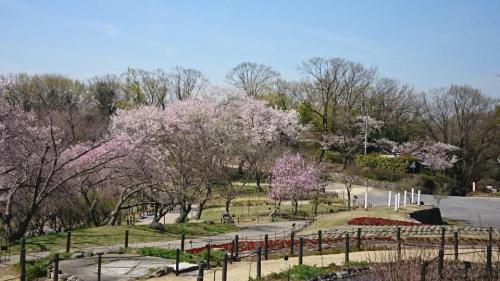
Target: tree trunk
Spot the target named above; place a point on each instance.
(258, 178)
(228, 203)
(185, 209)
(203, 202)
(155, 217)
(348, 200)
(240, 167)
(295, 207)
(114, 216)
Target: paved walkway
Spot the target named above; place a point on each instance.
(241, 271)
(249, 232)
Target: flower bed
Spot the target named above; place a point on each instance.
(379, 221)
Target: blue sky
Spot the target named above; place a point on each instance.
(427, 44)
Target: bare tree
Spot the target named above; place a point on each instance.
(464, 117)
(142, 87)
(186, 82)
(322, 86)
(347, 179)
(105, 92)
(253, 78)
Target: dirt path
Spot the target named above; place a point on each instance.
(251, 232)
(242, 270)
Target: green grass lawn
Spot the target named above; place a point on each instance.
(115, 235)
(251, 212)
(336, 219)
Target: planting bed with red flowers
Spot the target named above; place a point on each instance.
(379, 221)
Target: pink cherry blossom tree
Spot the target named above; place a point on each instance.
(292, 178)
(436, 156)
(190, 139)
(39, 160)
(263, 132)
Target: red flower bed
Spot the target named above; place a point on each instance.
(378, 221)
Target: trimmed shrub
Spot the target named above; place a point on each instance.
(386, 164)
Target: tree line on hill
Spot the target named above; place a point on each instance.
(80, 153)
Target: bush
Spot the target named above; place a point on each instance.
(381, 175)
(481, 184)
(252, 202)
(386, 164)
(215, 256)
(38, 268)
(298, 272)
(439, 182)
(333, 157)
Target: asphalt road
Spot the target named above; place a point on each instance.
(477, 211)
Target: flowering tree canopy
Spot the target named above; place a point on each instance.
(291, 178)
(436, 156)
(39, 160)
(262, 131)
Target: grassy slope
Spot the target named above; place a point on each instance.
(331, 220)
(114, 235)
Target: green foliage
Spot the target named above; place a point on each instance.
(253, 202)
(215, 256)
(299, 273)
(376, 161)
(38, 268)
(438, 183)
(381, 175)
(307, 116)
(333, 157)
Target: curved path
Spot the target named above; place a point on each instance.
(248, 232)
(241, 271)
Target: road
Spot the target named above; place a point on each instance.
(476, 211)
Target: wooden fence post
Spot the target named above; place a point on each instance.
(292, 242)
(177, 260)
(266, 247)
(301, 249)
(126, 238)
(455, 244)
(236, 246)
(440, 263)
(201, 267)
(224, 267)
(347, 247)
(443, 240)
(99, 262)
(489, 266)
(55, 271)
(319, 241)
(68, 241)
(358, 241)
(208, 255)
(398, 239)
(259, 260)
(22, 259)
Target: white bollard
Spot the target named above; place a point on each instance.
(366, 200)
(404, 199)
(395, 202)
(399, 200)
(412, 195)
(473, 186)
(389, 201)
(418, 198)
